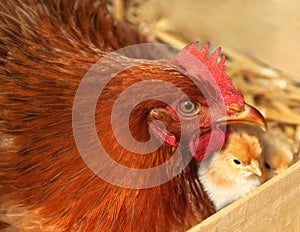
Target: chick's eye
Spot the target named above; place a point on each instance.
(267, 165)
(189, 108)
(236, 161)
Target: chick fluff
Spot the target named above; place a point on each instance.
(234, 171)
(277, 153)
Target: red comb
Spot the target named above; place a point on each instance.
(189, 59)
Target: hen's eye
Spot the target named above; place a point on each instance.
(189, 108)
(236, 161)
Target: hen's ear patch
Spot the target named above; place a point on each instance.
(160, 130)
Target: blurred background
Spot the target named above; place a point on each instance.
(268, 30)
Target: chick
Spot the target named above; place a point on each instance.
(277, 153)
(234, 171)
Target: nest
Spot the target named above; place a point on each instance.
(273, 92)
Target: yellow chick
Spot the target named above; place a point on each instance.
(234, 171)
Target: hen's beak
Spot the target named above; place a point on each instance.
(249, 116)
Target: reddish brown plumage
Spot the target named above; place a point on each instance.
(46, 48)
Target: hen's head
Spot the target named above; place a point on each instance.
(209, 105)
(185, 103)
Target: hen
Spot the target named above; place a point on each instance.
(54, 176)
(234, 171)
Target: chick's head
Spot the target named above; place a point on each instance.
(240, 157)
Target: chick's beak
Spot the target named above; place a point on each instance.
(281, 167)
(248, 116)
(254, 168)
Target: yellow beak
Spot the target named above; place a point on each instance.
(254, 168)
(248, 115)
